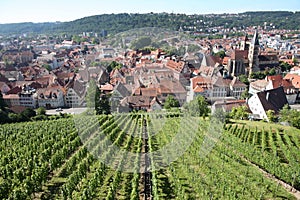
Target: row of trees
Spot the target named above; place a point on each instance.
(197, 107)
(115, 23)
(263, 74)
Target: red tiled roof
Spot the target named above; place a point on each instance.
(228, 105)
(177, 66)
(151, 92)
(294, 78)
(239, 54)
(200, 84)
(296, 68)
(11, 96)
(276, 80)
(15, 90)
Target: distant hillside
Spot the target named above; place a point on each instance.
(115, 23)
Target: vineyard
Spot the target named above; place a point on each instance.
(146, 156)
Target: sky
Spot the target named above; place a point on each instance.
(14, 11)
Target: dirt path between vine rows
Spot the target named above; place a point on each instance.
(288, 187)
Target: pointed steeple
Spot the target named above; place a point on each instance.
(245, 37)
(255, 39)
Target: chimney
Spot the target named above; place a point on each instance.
(267, 96)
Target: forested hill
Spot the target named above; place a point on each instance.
(114, 23)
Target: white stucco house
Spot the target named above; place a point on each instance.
(266, 100)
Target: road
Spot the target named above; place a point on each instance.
(66, 110)
(295, 106)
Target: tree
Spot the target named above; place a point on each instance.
(4, 117)
(219, 116)
(141, 43)
(295, 119)
(13, 117)
(28, 113)
(284, 113)
(90, 96)
(41, 111)
(47, 66)
(239, 112)
(272, 72)
(245, 94)
(95, 41)
(2, 102)
(102, 104)
(171, 102)
(285, 66)
(113, 65)
(76, 38)
(295, 61)
(193, 48)
(244, 79)
(198, 107)
(271, 116)
(220, 54)
(290, 116)
(258, 75)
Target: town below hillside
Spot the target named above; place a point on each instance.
(152, 69)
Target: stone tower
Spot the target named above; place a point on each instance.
(253, 54)
(244, 43)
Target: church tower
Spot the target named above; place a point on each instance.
(253, 54)
(244, 43)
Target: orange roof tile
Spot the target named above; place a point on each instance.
(295, 79)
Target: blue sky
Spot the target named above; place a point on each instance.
(12, 11)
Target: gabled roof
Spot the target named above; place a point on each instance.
(84, 75)
(176, 66)
(207, 71)
(237, 83)
(294, 78)
(122, 90)
(151, 92)
(276, 80)
(273, 99)
(228, 105)
(221, 82)
(154, 100)
(200, 84)
(49, 92)
(136, 101)
(206, 60)
(171, 87)
(78, 87)
(15, 90)
(239, 54)
(3, 84)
